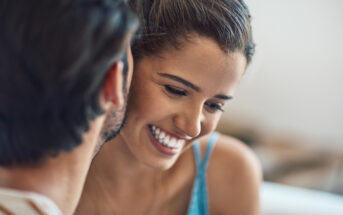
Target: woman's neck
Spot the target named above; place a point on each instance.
(119, 183)
(116, 159)
(115, 164)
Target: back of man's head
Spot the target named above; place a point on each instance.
(54, 55)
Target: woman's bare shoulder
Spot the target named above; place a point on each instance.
(234, 177)
(233, 153)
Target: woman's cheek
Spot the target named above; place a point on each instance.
(149, 104)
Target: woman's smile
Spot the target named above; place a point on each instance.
(164, 141)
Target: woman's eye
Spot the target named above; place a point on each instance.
(213, 107)
(175, 91)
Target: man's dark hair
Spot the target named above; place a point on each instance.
(54, 56)
(168, 23)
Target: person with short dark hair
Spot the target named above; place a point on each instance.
(189, 57)
(61, 69)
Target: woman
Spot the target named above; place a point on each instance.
(188, 59)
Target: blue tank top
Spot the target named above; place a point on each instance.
(199, 199)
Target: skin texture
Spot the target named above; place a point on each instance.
(130, 176)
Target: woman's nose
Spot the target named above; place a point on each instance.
(188, 122)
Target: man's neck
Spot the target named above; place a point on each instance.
(61, 179)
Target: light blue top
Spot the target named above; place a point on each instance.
(199, 199)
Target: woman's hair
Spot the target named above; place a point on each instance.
(168, 23)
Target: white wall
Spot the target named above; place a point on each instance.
(295, 83)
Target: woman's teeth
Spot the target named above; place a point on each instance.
(165, 139)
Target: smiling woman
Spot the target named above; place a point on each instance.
(187, 67)
(177, 92)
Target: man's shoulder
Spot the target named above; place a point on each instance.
(21, 202)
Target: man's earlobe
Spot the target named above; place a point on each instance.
(113, 85)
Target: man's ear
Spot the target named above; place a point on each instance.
(113, 85)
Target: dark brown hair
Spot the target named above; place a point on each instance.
(54, 56)
(170, 22)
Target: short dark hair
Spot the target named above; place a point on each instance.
(168, 22)
(54, 56)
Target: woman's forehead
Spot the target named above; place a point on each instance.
(201, 62)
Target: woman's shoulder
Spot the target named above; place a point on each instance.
(234, 177)
(230, 152)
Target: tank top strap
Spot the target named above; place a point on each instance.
(202, 163)
(197, 154)
(211, 142)
(199, 199)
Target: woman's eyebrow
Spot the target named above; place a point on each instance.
(225, 97)
(181, 80)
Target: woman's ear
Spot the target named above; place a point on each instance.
(112, 92)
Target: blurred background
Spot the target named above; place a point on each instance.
(289, 105)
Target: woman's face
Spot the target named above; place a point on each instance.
(178, 97)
